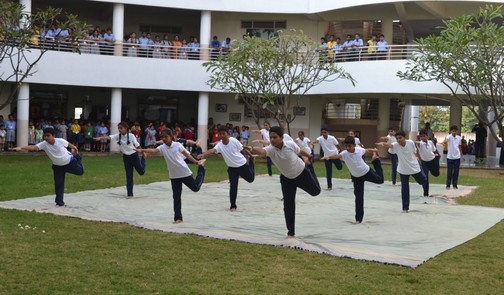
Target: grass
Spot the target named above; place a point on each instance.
(65, 255)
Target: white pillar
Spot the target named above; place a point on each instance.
(387, 29)
(413, 132)
(27, 9)
(406, 118)
(115, 115)
(383, 121)
(23, 114)
(203, 100)
(316, 119)
(205, 34)
(118, 28)
(455, 113)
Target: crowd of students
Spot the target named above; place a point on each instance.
(354, 48)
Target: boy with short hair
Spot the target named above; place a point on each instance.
(430, 158)
(360, 171)
(294, 172)
(63, 161)
(329, 145)
(454, 144)
(408, 165)
(231, 150)
(390, 138)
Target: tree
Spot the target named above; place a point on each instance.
(467, 57)
(20, 46)
(271, 75)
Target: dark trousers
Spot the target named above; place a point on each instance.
(246, 171)
(74, 167)
(268, 165)
(130, 162)
(374, 176)
(405, 191)
(393, 159)
(191, 183)
(453, 167)
(306, 181)
(479, 149)
(432, 167)
(328, 169)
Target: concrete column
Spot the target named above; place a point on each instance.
(387, 29)
(205, 34)
(27, 9)
(203, 101)
(455, 113)
(118, 28)
(383, 121)
(115, 115)
(406, 118)
(316, 119)
(413, 132)
(23, 114)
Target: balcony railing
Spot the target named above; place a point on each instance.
(393, 52)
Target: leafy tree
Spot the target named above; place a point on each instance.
(467, 57)
(439, 118)
(20, 45)
(271, 75)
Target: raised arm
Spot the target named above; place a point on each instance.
(255, 131)
(31, 148)
(104, 137)
(262, 141)
(385, 144)
(257, 150)
(148, 151)
(207, 153)
(191, 158)
(333, 156)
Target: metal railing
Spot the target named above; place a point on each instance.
(87, 46)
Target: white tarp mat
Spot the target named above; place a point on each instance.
(323, 223)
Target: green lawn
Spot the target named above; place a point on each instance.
(62, 255)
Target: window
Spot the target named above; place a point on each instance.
(263, 29)
(78, 112)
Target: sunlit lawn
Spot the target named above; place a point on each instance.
(69, 255)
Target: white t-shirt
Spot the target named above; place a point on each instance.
(286, 159)
(328, 145)
(231, 152)
(391, 139)
(357, 141)
(426, 150)
(175, 160)
(304, 144)
(408, 163)
(354, 162)
(265, 134)
(454, 143)
(126, 148)
(57, 152)
(287, 137)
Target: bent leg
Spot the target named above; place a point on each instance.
(307, 182)
(195, 184)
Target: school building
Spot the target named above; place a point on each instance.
(123, 86)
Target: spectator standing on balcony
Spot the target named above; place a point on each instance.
(216, 47)
(322, 50)
(51, 34)
(144, 43)
(338, 50)
(108, 42)
(132, 45)
(347, 47)
(372, 47)
(10, 128)
(194, 48)
(94, 42)
(329, 145)
(329, 48)
(381, 47)
(480, 143)
(157, 48)
(356, 48)
(183, 51)
(226, 45)
(166, 46)
(176, 43)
